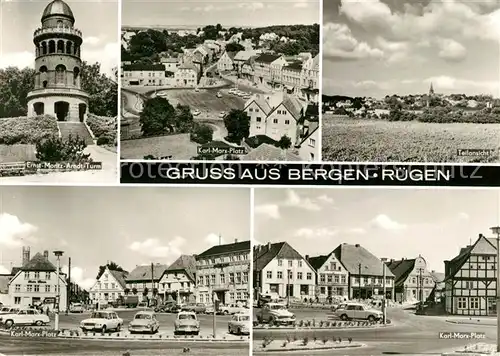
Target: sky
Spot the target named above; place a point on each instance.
(226, 12)
(385, 47)
(390, 223)
(128, 225)
(97, 19)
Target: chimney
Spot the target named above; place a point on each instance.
(392, 260)
(46, 255)
(269, 246)
(357, 245)
(446, 268)
(235, 241)
(307, 257)
(26, 255)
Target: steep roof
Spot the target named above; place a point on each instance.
(296, 65)
(318, 261)
(401, 269)
(351, 256)
(294, 106)
(263, 254)
(185, 263)
(437, 276)
(267, 58)
(241, 246)
(261, 101)
(143, 273)
(231, 54)
(119, 276)
(39, 264)
(245, 55)
(267, 152)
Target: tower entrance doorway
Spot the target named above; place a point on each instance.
(61, 109)
(38, 108)
(82, 110)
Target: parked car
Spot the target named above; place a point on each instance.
(8, 310)
(76, 308)
(196, 112)
(359, 311)
(102, 321)
(219, 94)
(239, 324)
(233, 91)
(276, 314)
(144, 322)
(339, 306)
(267, 298)
(222, 114)
(24, 317)
(197, 89)
(210, 309)
(142, 305)
(232, 309)
(186, 323)
(197, 308)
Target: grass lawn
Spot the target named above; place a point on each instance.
(346, 139)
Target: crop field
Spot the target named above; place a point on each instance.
(346, 139)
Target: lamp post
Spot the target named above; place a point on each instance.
(58, 254)
(384, 309)
(288, 289)
(359, 281)
(496, 230)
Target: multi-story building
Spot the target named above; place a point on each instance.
(310, 80)
(178, 280)
(308, 144)
(247, 69)
(413, 281)
(265, 67)
(279, 268)
(292, 77)
(143, 74)
(187, 75)
(332, 279)
(470, 279)
(242, 57)
(222, 271)
(36, 283)
(366, 272)
(109, 287)
(170, 63)
(143, 280)
(226, 62)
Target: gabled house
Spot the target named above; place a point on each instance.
(242, 57)
(366, 272)
(308, 143)
(187, 75)
(178, 280)
(470, 279)
(279, 268)
(108, 288)
(226, 62)
(143, 280)
(266, 66)
(331, 277)
(413, 281)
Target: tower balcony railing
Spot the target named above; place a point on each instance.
(72, 31)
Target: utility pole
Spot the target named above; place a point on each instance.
(214, 329)
(152, 279)
(359, 280)
(68, 287)
(58, 254)
(421, 296)
(496, 230)
(288, 290)
(384, 301)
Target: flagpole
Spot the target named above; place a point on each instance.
(215, 307)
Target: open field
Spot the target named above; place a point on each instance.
(346, 139)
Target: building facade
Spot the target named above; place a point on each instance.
(108, 288)
(178, 281)
(35, 283)
(143, 75)
(57, 89)
(223, 272)
(332, 279)
(226, 62)
(279, 268)
(186, 76)
(143, 281)
(308, 147)
(262, 67)
(470, 279)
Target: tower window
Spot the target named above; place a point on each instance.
(44, 48)
(69, 47)
(59, 24)
(60, 73)
(60, 46)
(43, 69)
(52, 46)
(76, 74)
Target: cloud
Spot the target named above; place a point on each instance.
(269, 210)
(457, 84)
(78, 277)
(325, 199)
(14, 232)
(301, 4)
(355, 231)
(252, 6)
(384, 222)
(214, 239)
(107, 56)
(296, 201)
(155, 248)
(339, 43)
(451, 50)
(323, 233)
(91, 40)
(463, 216)
(17, 59)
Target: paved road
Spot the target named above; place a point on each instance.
(22, 346)
(410, 335)
(72, 321)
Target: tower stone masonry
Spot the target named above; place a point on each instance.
(58, 66)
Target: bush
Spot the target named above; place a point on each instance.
(102, 127)
(55, 149)
(27, 130)
(103, 140)
(202, 134)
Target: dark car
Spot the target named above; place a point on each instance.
(198, 308)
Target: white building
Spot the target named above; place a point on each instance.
(170, 63)
(332, 278)
(36, 283)
(279, 268)
(178, 280)
(226, 62)
(143, 75)
(143, 280)
(108, 288)
(186, 76)
(308, 145)
(223, 271)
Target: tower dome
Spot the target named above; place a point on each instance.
(58, 8)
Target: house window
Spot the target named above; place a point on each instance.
(280, 275)
(37, 275)
(238, 277)
(287, 122)
(275, 121)
(309, 275)
(280, 263)
(337, 278)
(251, 109)
(330, 278)
(26, 275)
(312, 142)
(299, 275)
(462, 303)
(37, 288)
(231, 278)
(47, 288)
(343, 279)
(222, 278)
(290, 263)
(300, 263)
(245, 277)
(18, 288)
(322, 278)
(17, 300)
(212, 279)
(47, 275)
(29, 288)
(258, 119)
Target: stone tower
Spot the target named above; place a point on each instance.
(58, 67)
(430, 96)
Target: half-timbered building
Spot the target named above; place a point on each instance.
(470, 279)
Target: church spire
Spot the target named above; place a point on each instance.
(431, 90)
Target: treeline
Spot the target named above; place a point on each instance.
(443, 115)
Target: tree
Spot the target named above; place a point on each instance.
(183, 118)
(57, 149)
(134, 291)
(284, 143)
(103, 91)
(112, 266)
(15, 84)
(202, 133)
(237, 123)
(126, 291)
(156, 116)
(234, 47)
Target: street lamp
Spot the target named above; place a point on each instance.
(288, 289)
(58, 254)
(384, 302)
(496, 230)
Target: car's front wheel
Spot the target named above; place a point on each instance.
(344, 317)
(38, 323)
(9, 323)
(371, 318)
(103, 329)
(118, 327)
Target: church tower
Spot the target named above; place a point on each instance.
(431, 91)
(431, 94)
(58, 65)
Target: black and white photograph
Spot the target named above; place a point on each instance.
(58, 91)
(166, 275)
(375, 271)
(411, 81)
(224, 80)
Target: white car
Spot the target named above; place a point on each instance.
(358, 311)
(275, 313)
(219, 94)
(8, 310)
(222, 114)
(196, 112)
(233, 91)
(232, 309)
(76, 308)
(102, 321)
(239, 324)
(24, 317)
(197, 89)
(186, 323)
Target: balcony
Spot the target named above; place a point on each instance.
(57, 30)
